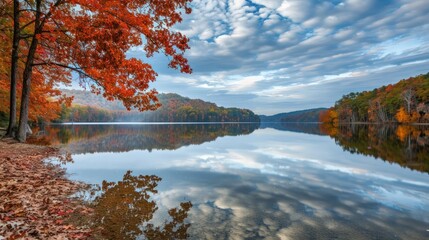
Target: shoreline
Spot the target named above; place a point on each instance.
(36, 200)
(381, 123)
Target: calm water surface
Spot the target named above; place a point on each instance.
(244, 181)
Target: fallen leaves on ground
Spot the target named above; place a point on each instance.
(35, 200)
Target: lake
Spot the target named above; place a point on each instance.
(253, 181)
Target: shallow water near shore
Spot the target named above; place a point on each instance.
(255, 181)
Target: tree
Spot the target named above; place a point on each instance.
(329, 116)
(13, 46)
(402, 116)
(384, 104)
(92, 39)
(14, 68)
(5, 46)
(408, 95)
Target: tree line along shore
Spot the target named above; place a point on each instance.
(406, 102)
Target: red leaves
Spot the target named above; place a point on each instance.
(103, 31)
(34, 196)
(93, 37)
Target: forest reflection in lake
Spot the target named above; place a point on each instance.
(89, 138)
(405, 145)
(126, 210)
(271, 182)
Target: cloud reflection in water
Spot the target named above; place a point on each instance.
(279, 185)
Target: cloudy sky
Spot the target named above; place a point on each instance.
(282, 55)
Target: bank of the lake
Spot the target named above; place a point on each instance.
(35, 194)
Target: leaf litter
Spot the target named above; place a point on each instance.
(36, 197)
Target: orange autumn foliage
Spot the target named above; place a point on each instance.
(402, 132)
(329, 116)
(92, 37)
(95, 36)
(5, 45)
(46, 99)
(403, 117)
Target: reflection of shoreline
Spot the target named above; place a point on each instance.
(300, 127)
(300, 199)
(148, 123)
(124, 137)
(406, 145)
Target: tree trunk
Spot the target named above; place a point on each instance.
(14, 70)
(28, 70)
(408, 96)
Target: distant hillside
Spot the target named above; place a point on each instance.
(86, 98)
(88, 107)
(309, 115)
(404, 102)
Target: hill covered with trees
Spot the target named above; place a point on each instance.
(175, 108)
(308, 115)
(404, 102)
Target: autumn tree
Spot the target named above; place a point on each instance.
(402, 116)
(15, 34)
(14, 68)
(5, 45)
(122, 209)
(329, 116)
(408, 95)
(92, 38)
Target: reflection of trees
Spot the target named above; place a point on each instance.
(309, 128)
(175, 229)
(407, 146)
(123, 210)
(120, 138)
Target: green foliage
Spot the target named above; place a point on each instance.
(175, 108)
(382, 104)
(78, 113)
(309, 115)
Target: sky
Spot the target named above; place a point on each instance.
(274, 56)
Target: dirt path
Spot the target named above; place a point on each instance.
(35, 198)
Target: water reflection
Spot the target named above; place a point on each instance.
(309, 128)
(126, 210)
(266, 185)
(407, 146)
(309, 204)
(123, 138)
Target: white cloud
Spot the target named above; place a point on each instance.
(233, 42)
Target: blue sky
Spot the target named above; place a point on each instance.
(276, 56)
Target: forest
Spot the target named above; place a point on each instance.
(308, 115)
(404, 102)
(174, 108)
(47, 44)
